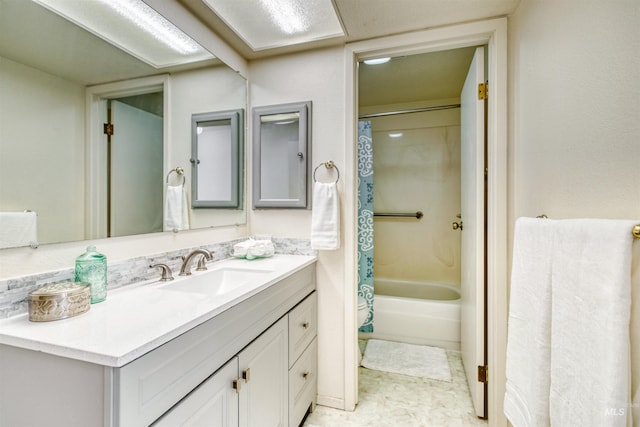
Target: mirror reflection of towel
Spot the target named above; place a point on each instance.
(18, 229)
(176, 209)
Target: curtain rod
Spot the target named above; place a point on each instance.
(415, 110)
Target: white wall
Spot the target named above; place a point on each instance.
(317, 76)
(205, 90)
(574, 84)
(41, 149)
(418, 171)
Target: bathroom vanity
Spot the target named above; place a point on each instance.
(235, 345)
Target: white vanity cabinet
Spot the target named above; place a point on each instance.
(249, 390)
(264, 345)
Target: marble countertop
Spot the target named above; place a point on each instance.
(139, 318)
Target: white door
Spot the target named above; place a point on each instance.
(136, 181)
(264, 366)
(212, 403)
(473, 220)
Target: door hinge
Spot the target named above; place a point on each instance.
(108, 129)
(482, 91)
(483, 373)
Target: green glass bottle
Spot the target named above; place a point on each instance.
(91, 268)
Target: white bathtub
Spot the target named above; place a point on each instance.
(416, 313)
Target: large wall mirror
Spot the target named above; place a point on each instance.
(48, 68)
(281, 147)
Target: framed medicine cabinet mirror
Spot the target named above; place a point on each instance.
(281, 148)
(217, 141)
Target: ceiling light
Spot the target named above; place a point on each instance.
(287, 15)
(134, 27)
(395, 134)
(266, 24)
(147, 19)
(377, 61)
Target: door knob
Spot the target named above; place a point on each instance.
(457, 226)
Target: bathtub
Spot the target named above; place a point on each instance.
(416, 313)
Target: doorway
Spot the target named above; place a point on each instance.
(134, 165)
(491, 33)
(125, 170)
(428, 157)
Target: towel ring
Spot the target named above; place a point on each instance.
(329, 165)
(180, 171)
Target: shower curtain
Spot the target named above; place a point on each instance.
(365, 219)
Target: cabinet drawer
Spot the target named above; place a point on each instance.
(302, 384)
(303, 327)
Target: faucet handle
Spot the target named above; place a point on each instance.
(202, 264)
(166, 272)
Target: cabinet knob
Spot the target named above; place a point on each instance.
(306, 325)
(246, 375)
(237, 385)
(306, 375)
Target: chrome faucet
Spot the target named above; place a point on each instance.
(185, 270)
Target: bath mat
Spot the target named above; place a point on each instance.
(408, 359)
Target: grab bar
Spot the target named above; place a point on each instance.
(416, 215)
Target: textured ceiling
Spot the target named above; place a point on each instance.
(366, 19)
(428, 76)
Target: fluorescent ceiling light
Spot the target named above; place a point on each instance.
(134, 27)
(265, 24)
(377, 61)
(395, 134)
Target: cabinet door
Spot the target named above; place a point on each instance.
(212, 403)
(264, 369)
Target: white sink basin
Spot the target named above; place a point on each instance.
(216, 282)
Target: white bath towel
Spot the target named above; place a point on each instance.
(635, 333)
(176, 209)
(18, 229)
(325, 217)
(591, 305)
(526, 401)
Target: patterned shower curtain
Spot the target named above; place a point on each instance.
(365, 219)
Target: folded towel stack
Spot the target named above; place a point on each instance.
(252, 249)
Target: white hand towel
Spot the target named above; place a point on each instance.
(526, 401)
(176, 209)
(18, 229)
(325, 217)
(591, 305)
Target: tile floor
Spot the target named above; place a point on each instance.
(389, 400)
